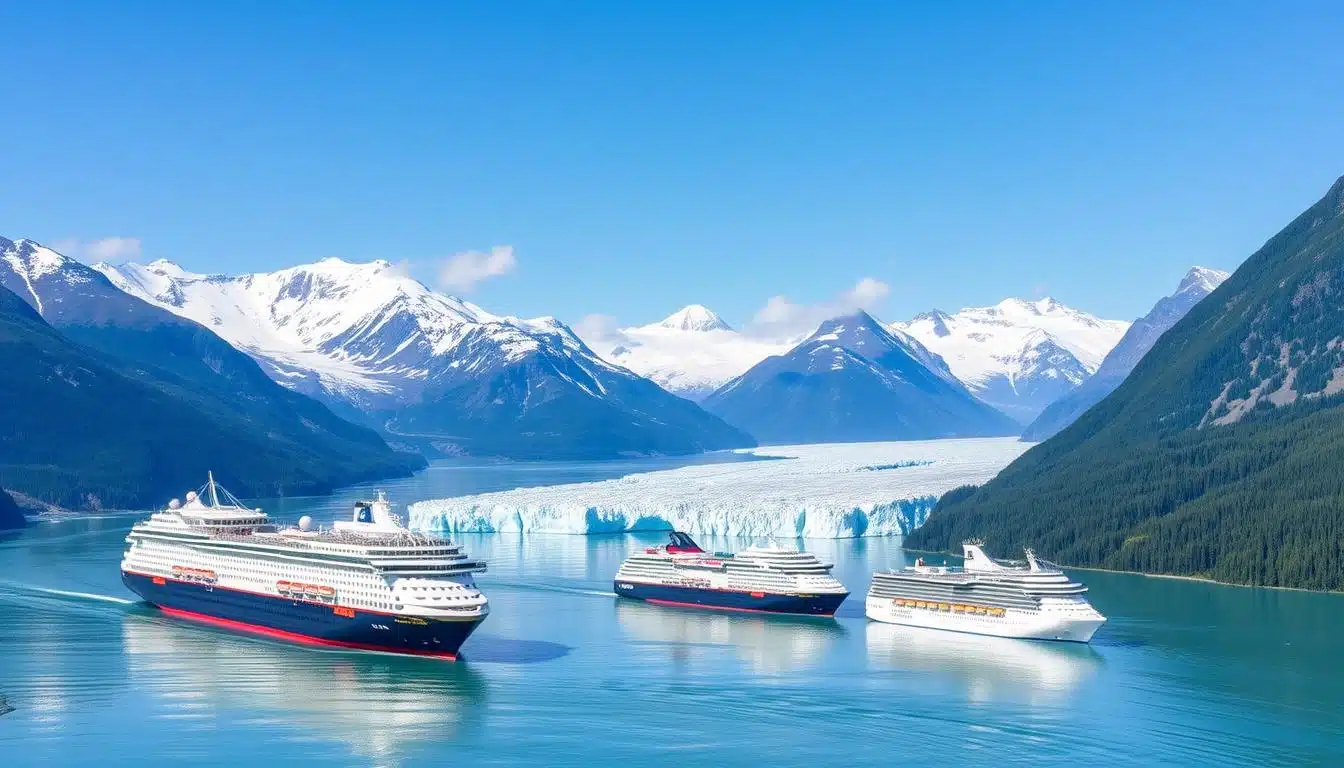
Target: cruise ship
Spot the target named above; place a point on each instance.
(758, 579)
(1034, 600)
(367, 583)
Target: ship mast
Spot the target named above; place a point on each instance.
(214, 497)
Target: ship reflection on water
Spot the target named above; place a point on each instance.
(376, 705)
(989, 668)
(766, 644)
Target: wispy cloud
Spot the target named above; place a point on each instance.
(104, 249)
(781, 318)
(462, 271)
(598, 328)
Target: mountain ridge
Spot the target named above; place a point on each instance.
(88, 430)
(1219, 455)
(1018, 355)
(1197, 283)
(368, 339)
(854, 379)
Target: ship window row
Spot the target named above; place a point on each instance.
(951, 597)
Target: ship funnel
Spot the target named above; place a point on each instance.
(975, 558)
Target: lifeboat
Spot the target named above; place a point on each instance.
(326, 591)
(311, 589)
(282, 587)
(177, 570)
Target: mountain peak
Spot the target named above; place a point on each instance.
(856, 320)
(169, 269)
(694, 317)
(1043, 306)
(1201, 279)
(32, 259)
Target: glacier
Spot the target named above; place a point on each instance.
(835, 491)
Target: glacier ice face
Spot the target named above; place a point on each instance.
(809, 491)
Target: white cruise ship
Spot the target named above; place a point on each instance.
(760, 579)
(367, 583)
(986, 597)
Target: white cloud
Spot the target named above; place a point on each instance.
(783, 319)
(598, 328)
(105, 249)
(462, 271)
(867, 293)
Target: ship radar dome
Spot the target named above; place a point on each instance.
(174, 504)
(305, 523)
(191, 496)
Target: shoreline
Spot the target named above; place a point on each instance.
(1174, 576)
(1203, 580)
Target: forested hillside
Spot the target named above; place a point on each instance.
(1222, 454)
(85, 430)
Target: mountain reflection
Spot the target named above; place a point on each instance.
(991, 668)
(767, 644)
(377, 705)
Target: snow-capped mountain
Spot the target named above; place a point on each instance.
(1019, 356)
(66, 292)
(421, 364)
(691, 353)
(161, 373)
(1141, 336)
(694, 317)
(853, 379)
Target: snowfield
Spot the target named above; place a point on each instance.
(832, 491)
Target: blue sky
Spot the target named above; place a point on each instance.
(638, 157)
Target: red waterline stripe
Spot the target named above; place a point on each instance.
(282, 598)
(677, 604)
(280, 634)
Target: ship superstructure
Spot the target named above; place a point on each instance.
(1034, 600)
(765, 579)
(367, 583)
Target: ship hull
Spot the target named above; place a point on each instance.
(728, 600)
(1014, 624)
(303, 622)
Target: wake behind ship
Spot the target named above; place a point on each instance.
(765, 580)
(1035, 601)
(367, 584)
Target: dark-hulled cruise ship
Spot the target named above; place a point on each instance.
(758, 579)
(367, 584)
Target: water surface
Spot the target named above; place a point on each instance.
(562, 673)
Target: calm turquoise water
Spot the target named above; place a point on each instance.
(564, 674)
